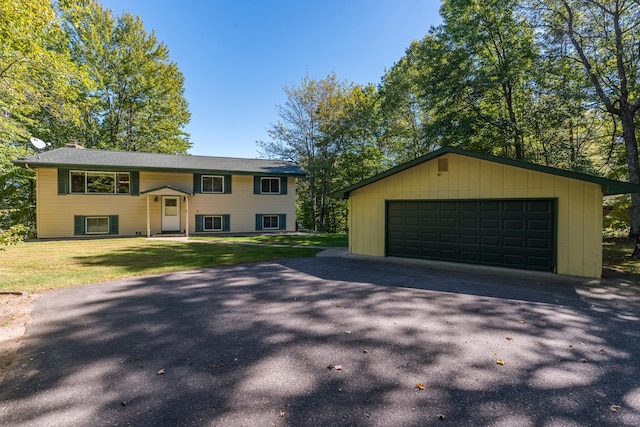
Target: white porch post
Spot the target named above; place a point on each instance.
(186, 212)
(148, 223)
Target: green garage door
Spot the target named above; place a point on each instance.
(506, 233)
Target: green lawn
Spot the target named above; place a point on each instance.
(316, 239)
(41, 265)
(616, 253)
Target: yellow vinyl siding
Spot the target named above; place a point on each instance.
(242, 205)
(55, 212)
(151, 180)
(579, 205)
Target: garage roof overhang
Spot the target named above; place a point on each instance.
(609, 186)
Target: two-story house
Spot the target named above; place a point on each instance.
(86, 192)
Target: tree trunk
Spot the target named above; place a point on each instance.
(314, 203)
(631, 145)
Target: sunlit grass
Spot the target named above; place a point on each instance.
(307, 239)
(616, 253)
(41, 265)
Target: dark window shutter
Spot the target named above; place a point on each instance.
(282, 222)
(226, 222)
(258, 220)
(197, 183)
(199, 223)
(113, 224)
(227, 184)
(283, 185)
(63, 181)
(134, 188)
(256, 185)
(78, 225)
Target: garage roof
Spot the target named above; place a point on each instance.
(125, 160)
(609, 186)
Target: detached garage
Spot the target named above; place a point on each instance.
(461, 206)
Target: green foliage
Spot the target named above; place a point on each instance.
(12, 236)
(602, 37)
(134, 95)
(616, 220)
(70, 71)
(327, 127)
(17, 191)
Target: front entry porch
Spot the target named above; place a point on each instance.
(174, 206)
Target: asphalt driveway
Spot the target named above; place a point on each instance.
(331, 342)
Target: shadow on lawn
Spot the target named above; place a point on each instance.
(191, 255)
(251, 345)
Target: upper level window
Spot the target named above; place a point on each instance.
(270, 185)
(212, 184)
(100, 182)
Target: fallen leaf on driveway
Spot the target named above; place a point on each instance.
(509, 338)
(365, 351)
(615, 408)
(347, 332)
(501, 362)
(420, 386)
(160, 372)
(330, 367)
(338, 367)
(441, 416)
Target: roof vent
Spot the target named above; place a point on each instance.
(74, 145)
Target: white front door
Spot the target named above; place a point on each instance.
(170, 213)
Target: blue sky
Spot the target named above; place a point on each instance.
(238, 55)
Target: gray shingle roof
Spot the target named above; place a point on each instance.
(87, 158)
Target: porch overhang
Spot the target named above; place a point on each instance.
(167, 190)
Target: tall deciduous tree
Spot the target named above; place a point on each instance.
(35, 75)
(322, 127)
(605, 39)
(135, 94)
(499, 48)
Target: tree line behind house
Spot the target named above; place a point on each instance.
(554, 82)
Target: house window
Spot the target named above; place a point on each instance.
(83, 182)
(97, 225)
(270, 222)
(212, 223)
(270, 185)
(212, 184)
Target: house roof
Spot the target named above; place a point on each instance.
(128, 160)
(609, 186)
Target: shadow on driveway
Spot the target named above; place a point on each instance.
(262, 344)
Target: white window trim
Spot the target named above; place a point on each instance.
(211, 176)
(115, 180)
(204, 228)
(86, 225)
(271, 178)
(277, 217)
